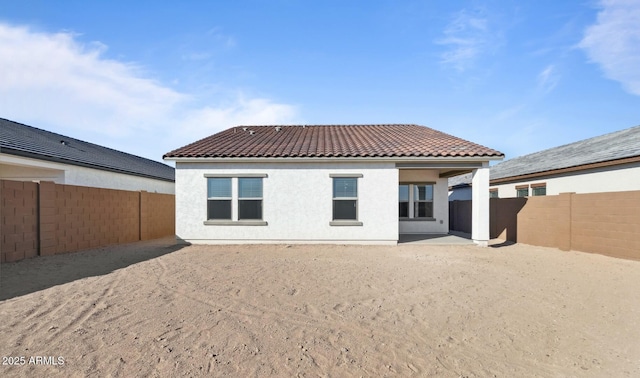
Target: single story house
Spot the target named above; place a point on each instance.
(606, 163)
(362, 184)
(31, 154)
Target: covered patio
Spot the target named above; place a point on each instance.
(424, 206)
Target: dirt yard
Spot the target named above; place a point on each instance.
(155, 309)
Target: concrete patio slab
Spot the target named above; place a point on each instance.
(435, 239)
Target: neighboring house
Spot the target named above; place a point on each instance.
(324, 184)
(460, 187)
(607, 163)
(31, 154)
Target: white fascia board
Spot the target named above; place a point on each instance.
(395, 160)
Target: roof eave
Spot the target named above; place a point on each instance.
(343, 159)
(32, 155)
(577, 168)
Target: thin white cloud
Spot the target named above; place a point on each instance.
(466, 37)
(242, 111)
(226, 40)
(548, 79)
(53, 79)
(613, 42)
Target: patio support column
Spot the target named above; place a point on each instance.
(480, 206)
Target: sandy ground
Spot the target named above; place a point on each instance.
(154, 309)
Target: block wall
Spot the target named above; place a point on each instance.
(157, 215)
(74, 218)
(18, 220)
(546, 221)
(47, 218)
(503, 217)
(607, 223)
(604, 223)
(502, 214)
(460, 216)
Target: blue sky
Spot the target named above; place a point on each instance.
(147, 77)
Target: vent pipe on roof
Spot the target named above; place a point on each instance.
(244, 129)
(251, 132)
(278, 128)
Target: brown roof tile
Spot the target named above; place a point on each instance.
(332, 141)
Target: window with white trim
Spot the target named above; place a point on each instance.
(219, 198)
(415, 201)
(235, 199)
(249, 198)
(345, 198)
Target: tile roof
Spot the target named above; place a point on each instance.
(332, 141)
(609, 147)
(27, 141)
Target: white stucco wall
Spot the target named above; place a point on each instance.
(26, 169)
(608, 179)
(480, 206)
(297, 204)
(440, 203)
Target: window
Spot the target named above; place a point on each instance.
(403, 201)
(539, 189)
(235, 200)
(249, 198)
(423, 201)
(415, 201)
(522, 191)
(493, 193)
(219, 198)
(345, 198)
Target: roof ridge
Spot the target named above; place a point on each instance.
(329, 124)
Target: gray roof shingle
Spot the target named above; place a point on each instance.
(614, 146)
(460, 180)
(22, 140)
(333, 141)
